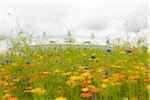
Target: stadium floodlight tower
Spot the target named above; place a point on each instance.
(69, 39)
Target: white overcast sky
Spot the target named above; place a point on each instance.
(56, 17)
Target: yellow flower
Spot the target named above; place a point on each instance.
(136, 67)
(122, 52)
(81, 67)
(136, 72)
(72, 83)
(38, 91)
(91, 86)
(28, 89)
(57, 70)
(148, 60)
(100, 70)
(104, 85)
(85, 89)
(148, 87)
(7, 95)
(61, 98)
(118, 67)
(3, 82)
(67, 73)
(84, 54)
(16, 80)
(86, 75)
(115, 83)
(6, 76)
(40, 58)
(75, 73)
(105, 80)
(74, 78)
(14, 64)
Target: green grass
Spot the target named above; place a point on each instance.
(58, 61)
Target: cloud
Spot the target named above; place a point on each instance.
(82, 18)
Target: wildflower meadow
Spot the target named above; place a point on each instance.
(74, 73)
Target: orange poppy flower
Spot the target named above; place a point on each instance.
(144, 70)
(123, 72)
(86, 95)
(31, 80)
(13, 87)
(13, 98)
(10, 88)
(40, 58)
(3, 82)
(41, 77)
(31, 75)
(103, 76)
(133, 81)
(2, 69)
(100, 55)
(147, 80)
(95, 90)
(19, 77)
(134, 77)
(30, 65)
(120, 76)
(84, 84)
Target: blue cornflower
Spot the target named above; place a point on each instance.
(84, 61)
(74, 67)
(1, 63)
(128, 51)
(60, 62)
(10, 61)
(86, 64)
(108, 50)
(93, 56)
(107, 72)
(6, 61)
(28, 62)
(94, 98)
